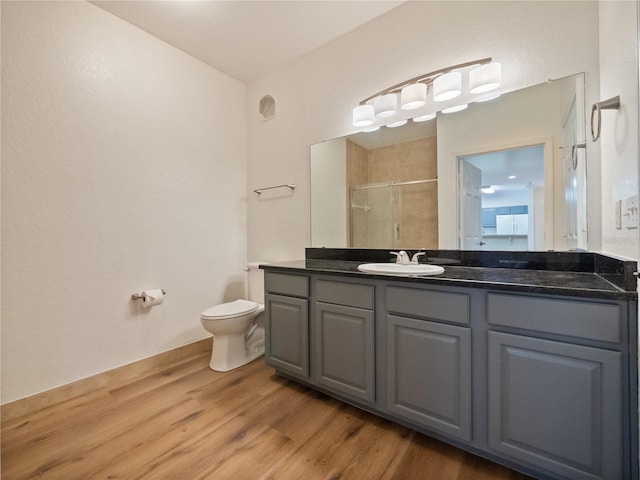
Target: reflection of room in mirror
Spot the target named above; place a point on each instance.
(549, 114)
(511, 194)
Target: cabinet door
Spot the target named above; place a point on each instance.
(344, 359)
(504, 224)
(287, 334)
(521, 224)
(429, 374)
(556, 406)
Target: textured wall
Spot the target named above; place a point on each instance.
(619, 136)
(123, 168)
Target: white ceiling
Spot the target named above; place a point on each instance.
(526, 164)
(247, 39)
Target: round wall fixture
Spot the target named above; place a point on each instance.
(267, 107)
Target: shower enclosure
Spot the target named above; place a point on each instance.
(394, 215)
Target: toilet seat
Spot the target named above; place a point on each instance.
(233, 309)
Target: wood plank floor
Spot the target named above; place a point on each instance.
(189, 422)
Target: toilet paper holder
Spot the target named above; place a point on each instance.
(138, 296)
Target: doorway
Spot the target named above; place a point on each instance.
(502, 197)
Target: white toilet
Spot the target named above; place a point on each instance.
(238, 332)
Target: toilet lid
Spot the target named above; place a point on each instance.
(230, 310)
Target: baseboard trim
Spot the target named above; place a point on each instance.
(39, 401)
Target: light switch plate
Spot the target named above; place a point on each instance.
(631, 212)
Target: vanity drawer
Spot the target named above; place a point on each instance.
(591, 320)
(448, 307)
(348, 294)
(284, 284)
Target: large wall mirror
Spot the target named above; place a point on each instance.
(508, 174)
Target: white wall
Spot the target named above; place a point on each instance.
(124, 168)
(619, 135)
(124, 160)
(534, 41)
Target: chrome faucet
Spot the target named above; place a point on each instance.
(402, 257)
(415, 257)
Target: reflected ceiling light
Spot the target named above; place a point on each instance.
(385, 105)
(424, 118)
(363, 115)
(485, 78)
(487, 189)
(399, 123)
(488, 99)
(511, 177)
(445, 84)
(457, 108)
(413, 96)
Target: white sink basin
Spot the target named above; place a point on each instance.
(399, 269)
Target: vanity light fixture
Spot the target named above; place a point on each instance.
(363, 115)
(487, 189)
(385, 105)
(414, 98)
(447, 86)
(485, 78)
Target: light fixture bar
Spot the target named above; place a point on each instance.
(427, 78)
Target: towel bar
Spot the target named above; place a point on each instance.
(292, 186)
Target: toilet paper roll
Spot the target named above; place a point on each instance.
(152, 297)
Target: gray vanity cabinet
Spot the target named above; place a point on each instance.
(287, 323)
(429, 362)
(546, 384)
(429, 374)
(343, 338)
(554, 404)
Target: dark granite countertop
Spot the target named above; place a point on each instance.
(551, 282)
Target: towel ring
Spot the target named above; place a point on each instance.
(574, 153)
(611, 104)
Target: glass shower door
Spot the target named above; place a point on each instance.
(394, 215)
(371, 217)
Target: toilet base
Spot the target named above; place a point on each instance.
(232, 351)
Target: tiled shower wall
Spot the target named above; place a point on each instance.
(414, 208)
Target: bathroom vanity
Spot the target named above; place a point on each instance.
(533, 366)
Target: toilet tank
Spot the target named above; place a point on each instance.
(255, 282)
